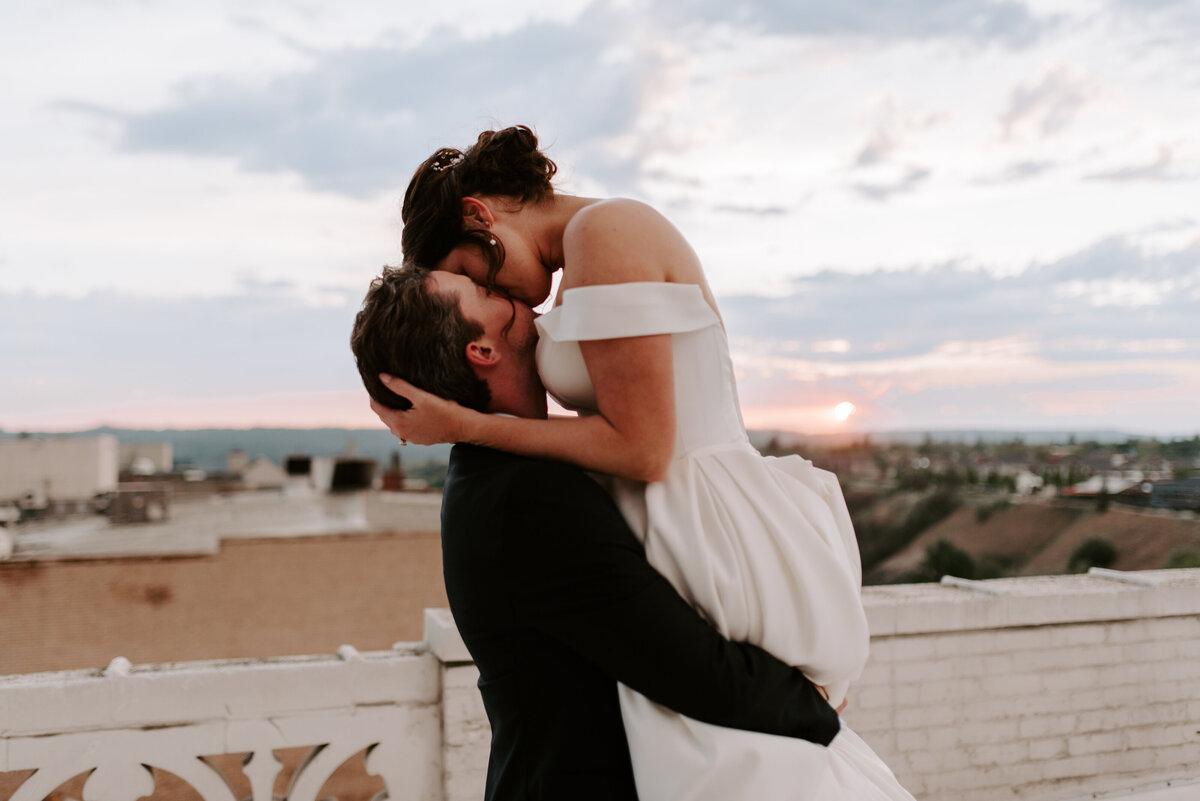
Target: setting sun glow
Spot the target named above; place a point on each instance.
(843, 410)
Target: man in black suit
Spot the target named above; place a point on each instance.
(549, 588)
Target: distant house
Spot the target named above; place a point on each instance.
(57, 471)
(351, 474)
(262, 473)
(1028, 482)
(1178, 495)
(308, 473)
(236, 462)
(146, 458)
(1111, 484)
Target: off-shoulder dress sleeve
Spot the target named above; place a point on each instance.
(613, 311)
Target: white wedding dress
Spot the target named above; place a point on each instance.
(763, 546)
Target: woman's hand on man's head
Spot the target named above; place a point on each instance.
(431, 420)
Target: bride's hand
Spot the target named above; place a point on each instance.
(825, 695)
(429, 421)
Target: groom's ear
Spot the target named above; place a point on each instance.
(480, 354)
(476, 214)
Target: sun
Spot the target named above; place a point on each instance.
(843, 411)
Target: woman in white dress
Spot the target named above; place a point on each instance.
(763, 546)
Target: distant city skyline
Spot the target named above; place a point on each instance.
(952, 214)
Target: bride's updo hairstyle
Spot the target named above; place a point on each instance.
(504, 163)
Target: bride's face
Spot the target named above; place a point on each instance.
(502, 320)
(522, 276)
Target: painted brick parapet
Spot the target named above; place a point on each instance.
(1029, 688)
(1034, 688)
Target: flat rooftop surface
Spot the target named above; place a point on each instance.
(196, 526)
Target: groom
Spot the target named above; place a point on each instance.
(549, 588)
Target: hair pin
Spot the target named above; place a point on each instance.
(445, 161)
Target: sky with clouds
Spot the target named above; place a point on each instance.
(951, 213)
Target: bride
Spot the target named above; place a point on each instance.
(762, 546)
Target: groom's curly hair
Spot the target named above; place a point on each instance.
(407, 330)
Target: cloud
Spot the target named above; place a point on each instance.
(1049, 104)
(753, 211)
(893, 128)
(359, 120)
(913, 177)
(1002, 22)
(108, 346)
(1106, 337)
(1114, 300)
(894, 125)
(1157, 171)
(1179, 15)
(878, 147)
(1018, 171)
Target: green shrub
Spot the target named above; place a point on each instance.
(1092, 552)
(993, 565)
(1184, 557)
(943, 558)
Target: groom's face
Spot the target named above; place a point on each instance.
(492, 311)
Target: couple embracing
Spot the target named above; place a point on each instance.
(682, 621)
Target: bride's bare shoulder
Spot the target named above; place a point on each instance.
(618, 214)
(622, 239)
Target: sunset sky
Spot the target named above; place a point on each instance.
(949, 213)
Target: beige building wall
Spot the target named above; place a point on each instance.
(58, 468)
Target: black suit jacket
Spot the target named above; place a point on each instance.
(556, 602)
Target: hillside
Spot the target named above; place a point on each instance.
(1144, 540)
(207, 448)
(1039, 539)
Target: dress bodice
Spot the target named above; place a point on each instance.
(706, 406)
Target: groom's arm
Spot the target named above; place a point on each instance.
(586, 582)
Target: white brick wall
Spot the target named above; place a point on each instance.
(1057, 687)
(1054, 688)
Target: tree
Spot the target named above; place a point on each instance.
(943, 558)
(1092, 552)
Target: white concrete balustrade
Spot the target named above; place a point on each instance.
(1034, 688)
(117, 722)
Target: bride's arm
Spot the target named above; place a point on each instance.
(633, 435)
